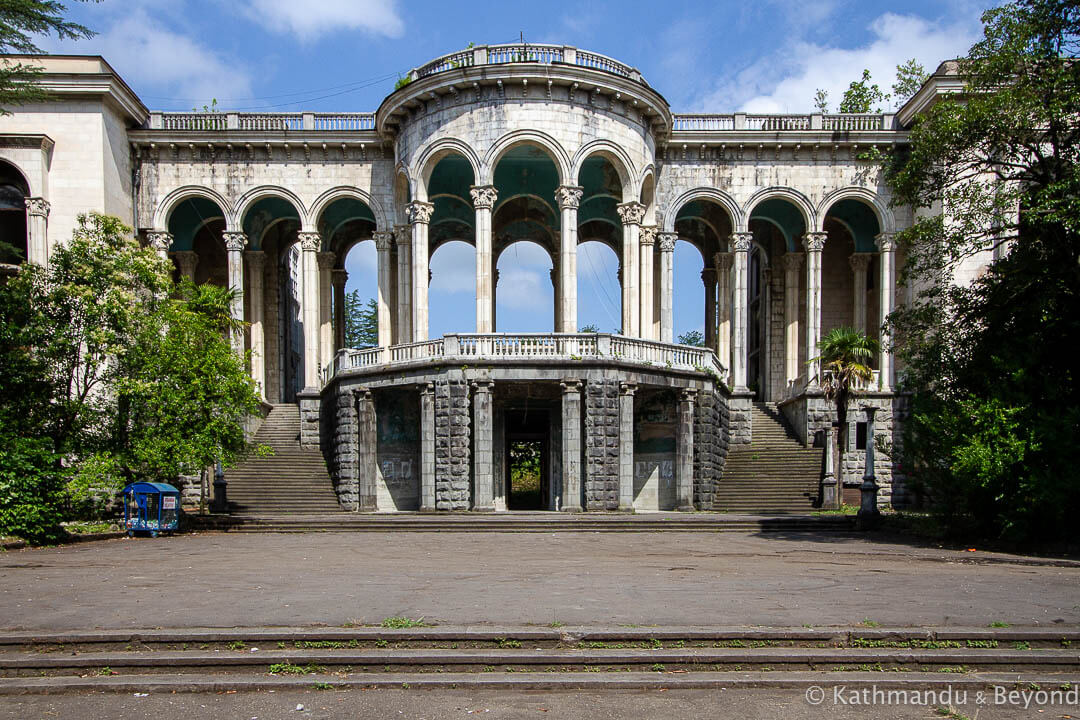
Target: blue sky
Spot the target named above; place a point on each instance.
(341, 55)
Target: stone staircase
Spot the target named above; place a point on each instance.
(292, 481)
(774, 474)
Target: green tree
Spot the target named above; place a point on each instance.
(862, 97)
(22, 22)
(693, 338)
(996, 408)
(845, 357)
(910, 77)
(821, 101)
(361, 321)
(590, 328)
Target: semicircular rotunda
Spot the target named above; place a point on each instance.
(493, 146)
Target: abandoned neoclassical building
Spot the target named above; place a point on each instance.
(492, 146)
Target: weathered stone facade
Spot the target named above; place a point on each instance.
(602, 445)
(452, 442)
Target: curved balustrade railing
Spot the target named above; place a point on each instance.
(542, 53)
(261, 122)
(697, 122)
(525, 346)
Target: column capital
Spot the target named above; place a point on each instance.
(815, 241)
(235, 241)
(631, 213)
(482, 386)
(708, 276)
(339, 277)
(255, 259)
(326, 260)
(384, 240)
(860, 261)
(483, 196)
(402, 235)
(647, 235)
(310, 241)
(570, 385)
(419, 212)
(38, 206)
(667, 241)
(159, 240)
(427, 389)
(688, 394)
(723, 261)
(188, 260)
(792, 260)
(741, 241)
(568, 196)
(627, 388)
(886, 241)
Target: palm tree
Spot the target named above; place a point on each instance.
(845, 357)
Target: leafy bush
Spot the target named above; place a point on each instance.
(93, 490)
(31, 490)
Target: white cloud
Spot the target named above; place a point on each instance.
(159, 61)
(786, 81)
(308, 20)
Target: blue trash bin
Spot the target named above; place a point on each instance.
(151, 507)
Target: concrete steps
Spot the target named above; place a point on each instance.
(535, 657)
(291, 481)
(774, 474)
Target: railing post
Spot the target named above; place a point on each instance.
(480, 55)
(309, 120)
(232, 121)
(740, 121)
(603, 344)
(888, 121)
(817, 121)
(155, 121)
(451, 346)
(569, 55)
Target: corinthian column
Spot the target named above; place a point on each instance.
(384, 242)
(667, 286)
(887, 289)
(483, 198)
(568, 197)
(859, 263)
(740, 243)
(37, 223)
(326, 326)
(309, 244)
(256, 262)
(631, 214)
(792, 263)
(648, 293)
(403, 239)
(419, 217)
(814, 244)
(723, 261)
(235, 242)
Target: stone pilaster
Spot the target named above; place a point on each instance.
(601, 483)
(37, 226)
(309, 302)
(235, 242)
(667, 286)
(344, 449)
(256, 267)
(708, 454)
(571, 444)
(484, 198)
(708, 280)
(452, 442)
(887, 289)
(419, 217)
(684, 451)
(403, 240)
(723, 262)
(339, 277)
(427, 448)
(568, 198)
(631, 215)
(647, 237)
(814, 243)
(626, 446)
(367, 449)
(483, 460)
(859, 263)
(792, 264)
(326, 262)
(740, 244)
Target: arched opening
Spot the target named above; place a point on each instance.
(705, 226)
(599, 299)
(453, 287)
(524, 288)
(775, 328)
(849, 268)
(196, 224)
(349, 302)
(271, 224)
(14, 245)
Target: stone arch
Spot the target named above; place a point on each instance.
(525, 137)
(169, 202)
(428, 160)
(885, 219)
(647, 193)
(14, 226)
(703, 193)
(619, 160)
(347, 191)
(254, 195)
(796, 198)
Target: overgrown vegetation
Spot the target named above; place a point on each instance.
(996, 411)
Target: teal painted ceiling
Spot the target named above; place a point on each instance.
(263, 214)
(188, 217)
(860, 220)
(784, 216)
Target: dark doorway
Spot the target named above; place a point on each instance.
(528, 475)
